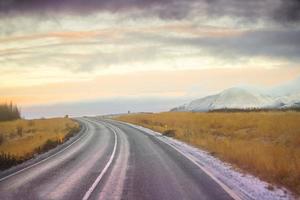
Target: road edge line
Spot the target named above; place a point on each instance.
(98, 179)
(225, 187)
(43, 160)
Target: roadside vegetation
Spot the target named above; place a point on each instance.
(267, 144)
(21, 139)
(9, 112)
(295, 109)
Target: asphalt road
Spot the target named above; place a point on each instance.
(112, 160)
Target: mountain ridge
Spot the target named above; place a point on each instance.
(240, 98)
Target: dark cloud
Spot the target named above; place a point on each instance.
(284, 44)
(273, 44)
(77, 6)
(289, 11)
(283, 11)
(251, 10)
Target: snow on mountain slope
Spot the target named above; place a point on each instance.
(288, 100)
(239, 98)
(202, 104)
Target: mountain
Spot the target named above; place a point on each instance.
(286, 101)
(241, 99)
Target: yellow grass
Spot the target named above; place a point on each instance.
(22, 137)
(266, 144)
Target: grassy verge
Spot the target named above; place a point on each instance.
(20, 140)
(267, 144)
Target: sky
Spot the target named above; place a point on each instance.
(86, 57)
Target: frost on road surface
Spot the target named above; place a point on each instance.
(244, 185)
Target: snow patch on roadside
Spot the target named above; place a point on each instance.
(245, 186)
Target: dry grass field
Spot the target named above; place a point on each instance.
(21, 139)
(267, 144)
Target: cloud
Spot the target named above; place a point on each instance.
(77, 55)
(289, 11)
(268, 43)
(282, 11)
(275, 44)
(78, 6)
(148, 48)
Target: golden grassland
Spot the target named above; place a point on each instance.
(267, 144)
(23, 138)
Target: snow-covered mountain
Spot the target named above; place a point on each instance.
(241, 99)
(291, 100)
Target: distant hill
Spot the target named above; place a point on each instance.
(239, 98)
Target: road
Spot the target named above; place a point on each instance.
(112, 160)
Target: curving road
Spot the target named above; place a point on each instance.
(112, 160)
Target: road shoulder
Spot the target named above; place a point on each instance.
(244, 185)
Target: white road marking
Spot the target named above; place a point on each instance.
(114, 184)
(45, 159)
(225, 187)
(92, 188)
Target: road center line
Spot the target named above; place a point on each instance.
(92, 188)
